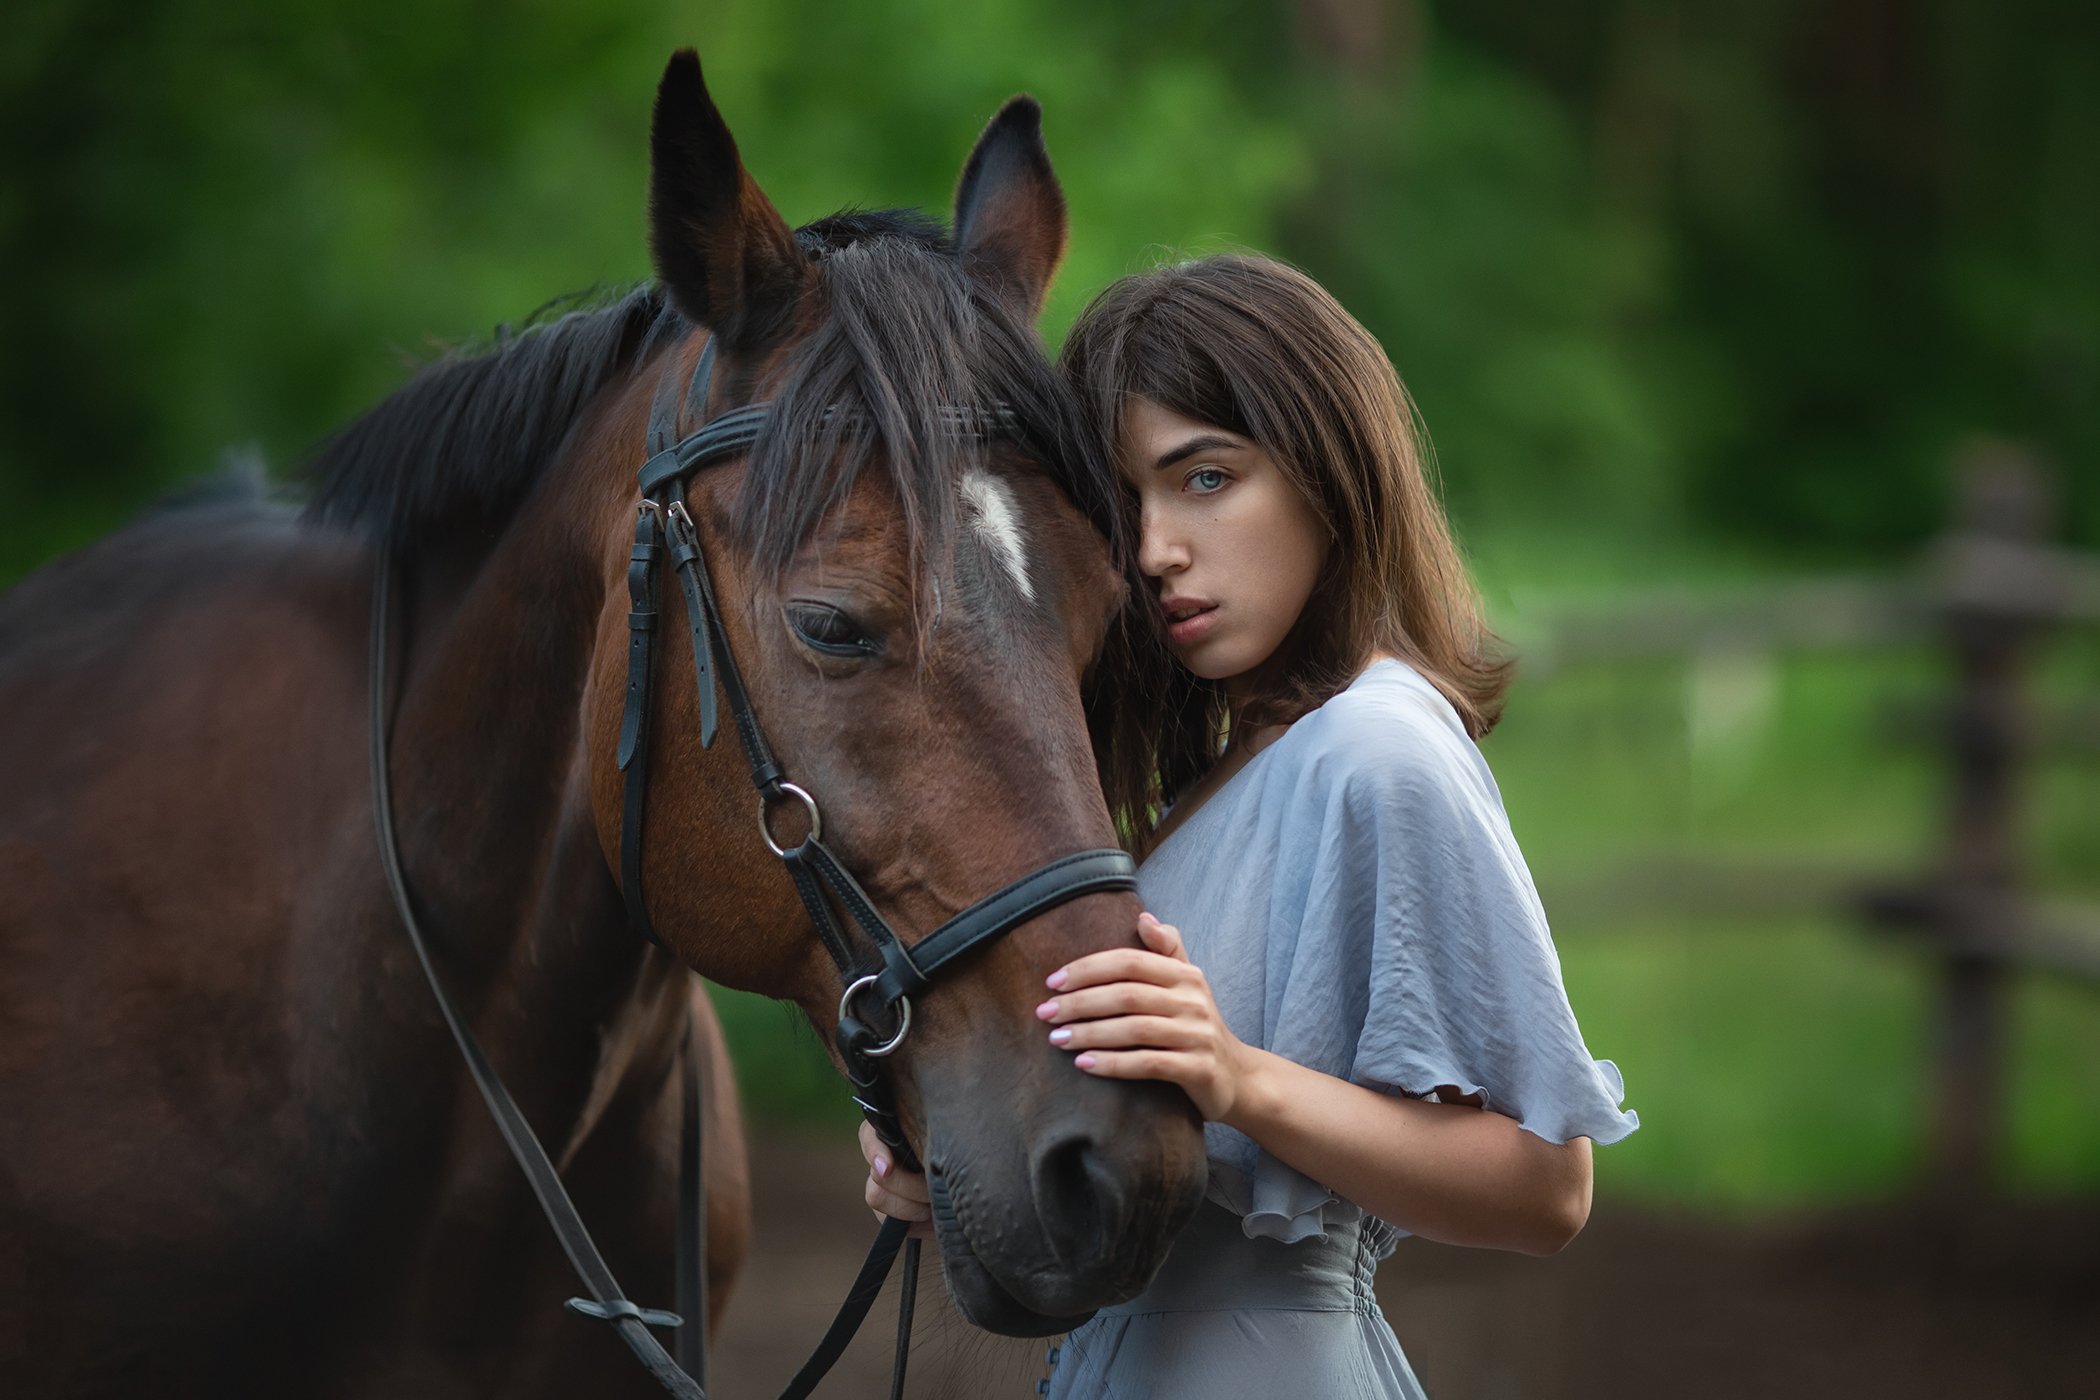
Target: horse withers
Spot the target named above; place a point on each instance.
(239, 1154)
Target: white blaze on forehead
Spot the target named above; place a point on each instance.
(997, 520)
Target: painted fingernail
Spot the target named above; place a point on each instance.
(1055, 980)
(1084, 1061)
(882, 1166)
(1060, 1035)
(1046, 1010)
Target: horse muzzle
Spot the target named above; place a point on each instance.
(1084, 1224)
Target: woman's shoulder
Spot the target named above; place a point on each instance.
(1387, 749)
(1389, 692)
(1389, 731)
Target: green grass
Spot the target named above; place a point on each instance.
(1771, 1063)
(1789, 1064)
(1779, 1054)
(2053, 1144)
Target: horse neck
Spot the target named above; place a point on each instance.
(492, 791)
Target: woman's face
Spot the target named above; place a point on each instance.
(1235, 549)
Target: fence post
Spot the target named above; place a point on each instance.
(2003, 511)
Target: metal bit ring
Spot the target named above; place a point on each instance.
(903, 1017)
(765, 811)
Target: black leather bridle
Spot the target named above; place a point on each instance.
(884, 987)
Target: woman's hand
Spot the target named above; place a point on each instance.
(1147, 1013)
(892, 1190)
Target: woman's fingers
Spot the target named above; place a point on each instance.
(921, 1229)
(1162, 938)
(894, 1191)
(871, 1146)
(904, 1182)
(1121, 999)
(1124, 965)
(1176, 1067)
(886, 1197)
(1117, 1032)
(1146, 1013)
(884, 1201)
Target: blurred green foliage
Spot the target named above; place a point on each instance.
(1654, 270)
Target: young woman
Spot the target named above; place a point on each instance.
(1349, 971)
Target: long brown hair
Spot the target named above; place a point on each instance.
(1256, 347)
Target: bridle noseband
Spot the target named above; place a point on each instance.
(874, 995)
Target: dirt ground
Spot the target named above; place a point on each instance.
(1900, 1301)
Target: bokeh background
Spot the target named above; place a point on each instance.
(1716, 314)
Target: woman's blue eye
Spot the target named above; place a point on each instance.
(1207, 479)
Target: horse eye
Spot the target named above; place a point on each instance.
(826, 629)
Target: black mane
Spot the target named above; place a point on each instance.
(902, 334)
(461, 444)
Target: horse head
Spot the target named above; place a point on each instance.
(919, 561)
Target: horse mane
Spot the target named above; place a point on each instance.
(464, 441)
(901, 335)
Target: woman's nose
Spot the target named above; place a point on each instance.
(1159, 550)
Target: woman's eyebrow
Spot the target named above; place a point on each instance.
(1206, 442)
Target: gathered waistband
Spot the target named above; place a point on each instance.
(1214, 1267)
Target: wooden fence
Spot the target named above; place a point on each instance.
(1993, 592)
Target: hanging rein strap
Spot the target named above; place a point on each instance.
(606, 1302)
(690, 1264)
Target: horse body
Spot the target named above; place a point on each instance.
(241, 1154)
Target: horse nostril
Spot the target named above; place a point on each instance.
(1079, 1201)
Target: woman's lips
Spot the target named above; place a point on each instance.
(1191, 630)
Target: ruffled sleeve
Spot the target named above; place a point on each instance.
(1405, 946)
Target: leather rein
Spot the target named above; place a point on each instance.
(875, 1007)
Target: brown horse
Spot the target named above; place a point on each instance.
(238, 1154)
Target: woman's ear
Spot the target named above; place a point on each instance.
(721, 249)
(1010, 221)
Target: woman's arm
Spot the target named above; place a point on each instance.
(1446, 1172)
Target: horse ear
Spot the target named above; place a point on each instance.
(1010, 220)
(720, 248)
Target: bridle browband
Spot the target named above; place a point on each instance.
(663, 524)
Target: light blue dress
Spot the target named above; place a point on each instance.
(1358, 904)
